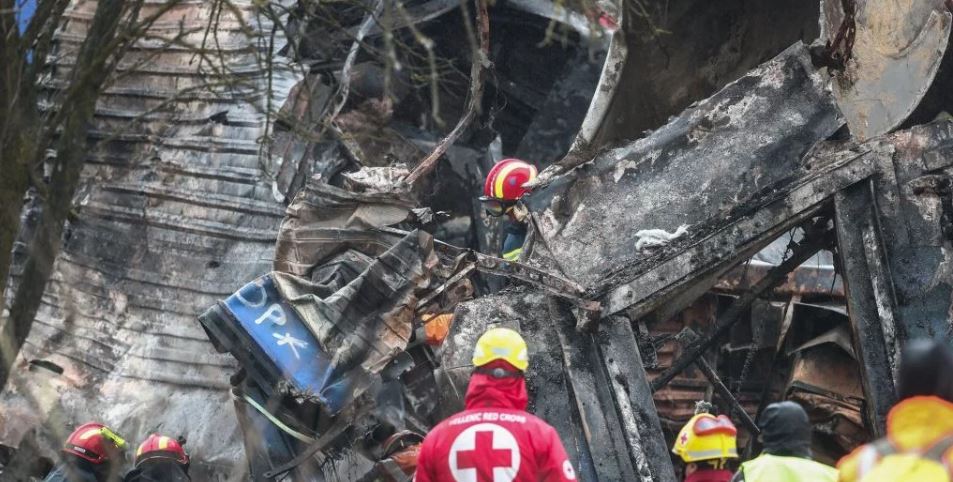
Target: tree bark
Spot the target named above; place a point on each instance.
(15, 149)
(88, 76)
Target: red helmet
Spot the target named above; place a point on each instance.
(158, 446)
(505, 181)
(94, 442)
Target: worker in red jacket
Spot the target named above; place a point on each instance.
(501, 191)
(495, 439)
(92, 453)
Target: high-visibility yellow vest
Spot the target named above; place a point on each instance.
(907, 468)
(513, 255)
(918, 446)
(774, 468)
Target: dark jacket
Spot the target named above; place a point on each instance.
(158, 470)
(514, 235)
(785, 431)
(75, 469)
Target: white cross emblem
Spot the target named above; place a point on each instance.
(292, 343)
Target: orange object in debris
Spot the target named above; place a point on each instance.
(436, 327)
(406, 459)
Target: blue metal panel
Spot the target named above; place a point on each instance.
(24, 10)
(281, 334)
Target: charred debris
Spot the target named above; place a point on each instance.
(724, 215)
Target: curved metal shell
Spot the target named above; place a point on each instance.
(898, 46)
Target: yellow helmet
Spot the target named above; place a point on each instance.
(706, 437)
(501, 344)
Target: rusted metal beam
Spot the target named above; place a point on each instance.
(688, 335)
(814, 242)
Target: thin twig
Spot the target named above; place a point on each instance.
(478, 70)
(345, 84)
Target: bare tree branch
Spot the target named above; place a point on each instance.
(88, 75)
(478, 70)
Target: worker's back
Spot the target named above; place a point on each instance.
(495, 438)
(493, 444)
(918, 446)
(777, 468)
(786, 435)
(72, 472)
(919, 442)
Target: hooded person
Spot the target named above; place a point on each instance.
(92, 453)
(160, 459)
(919, 442)
(786, 457)
(494, 438)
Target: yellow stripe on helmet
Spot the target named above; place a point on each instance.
(163, 443)
(499, 182)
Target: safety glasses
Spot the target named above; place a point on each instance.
(710, 425)
(496, 207)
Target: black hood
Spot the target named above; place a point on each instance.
(925, 368)
(785, 430)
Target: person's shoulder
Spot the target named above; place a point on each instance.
(538, 423)
(848, 466)
(461, 418)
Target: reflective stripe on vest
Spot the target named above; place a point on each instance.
(871, 455)
(513, 255)
(773, 468)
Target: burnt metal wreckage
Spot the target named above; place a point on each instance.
(766, 155)
(779, 237)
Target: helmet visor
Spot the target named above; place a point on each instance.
(495, 207)
(711, 425)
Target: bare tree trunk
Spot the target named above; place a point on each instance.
(16, 148)
(87, 78)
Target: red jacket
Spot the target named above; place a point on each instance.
(494, 440)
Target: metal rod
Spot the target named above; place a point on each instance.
(726, 394)
(801, 253)
(688, 335)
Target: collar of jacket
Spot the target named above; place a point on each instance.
(486, 391)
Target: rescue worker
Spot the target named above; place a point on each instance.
(502, 189)
(495, 438)
(92, 453)
(919, 442)
(706, 443)
(786, 435)
(160, 459)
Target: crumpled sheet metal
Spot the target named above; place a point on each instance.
(826, 381)
(323, 217)
(369, 320)
(897, 51)
(713, 164)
